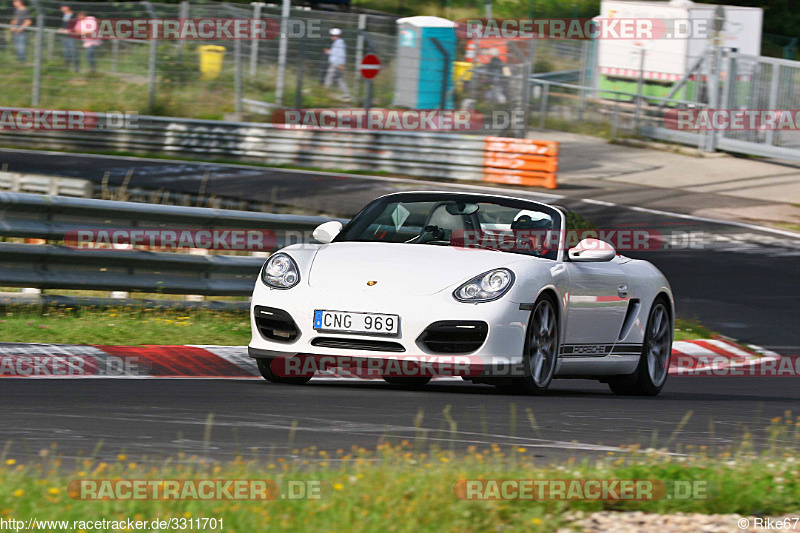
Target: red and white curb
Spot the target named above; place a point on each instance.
(27, 360)
(699, 356)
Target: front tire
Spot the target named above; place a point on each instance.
(651, 374)
(540, 353)
(265, 367)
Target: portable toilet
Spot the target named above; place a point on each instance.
(426, 48)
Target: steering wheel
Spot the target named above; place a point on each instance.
(436, 234)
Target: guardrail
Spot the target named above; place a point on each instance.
(433, 155)
(49, 266)
(20, 182)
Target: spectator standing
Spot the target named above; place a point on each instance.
(337, 58)
(21, 20)
(497, 78)
(68, 39)
(85, 26)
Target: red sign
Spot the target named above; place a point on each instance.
(370, 66)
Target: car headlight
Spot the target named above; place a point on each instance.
(280, 272)
(485, 287)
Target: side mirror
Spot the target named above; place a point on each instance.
(327, 231)
(592, 250)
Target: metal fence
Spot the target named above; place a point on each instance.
(255, 76)
(722, 81)
(165, 76)
(761, 83)
(55, 266)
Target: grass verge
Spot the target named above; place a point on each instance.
(136, 326)
(128, 326)
(401, 488)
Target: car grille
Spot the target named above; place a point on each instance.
(454, 336)
(275, 324)
(357, 344)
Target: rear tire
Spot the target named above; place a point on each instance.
(265, 367)
(651, 374)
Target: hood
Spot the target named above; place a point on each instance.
(400, 268)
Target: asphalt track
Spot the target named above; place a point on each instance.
(156, 418)
(742, 282)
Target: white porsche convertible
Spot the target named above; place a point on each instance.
(433, 276)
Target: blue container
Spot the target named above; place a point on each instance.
(423, 71)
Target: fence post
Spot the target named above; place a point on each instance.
(151, 75)
(362, 27)
(769, 139)
(527, 71)
(237, 76)
(281, 80)
(183, 13)
(543, 108)
(583, 78)
(151, 63)
(730, 89)
(254, 42)
(37, 60)
(713, 95)
(639, 90)
(615, 121)
(301, 67)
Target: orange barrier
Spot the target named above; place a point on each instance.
(520, 162)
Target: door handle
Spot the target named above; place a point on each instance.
(622, 290)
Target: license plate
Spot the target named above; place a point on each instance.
(347, 322)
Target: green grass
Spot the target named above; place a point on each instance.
(792, 226)
(400, 487)
(138, 326)
(688, 329)
(595, 129)
(105, 91)
(128, 326)
(180, 91)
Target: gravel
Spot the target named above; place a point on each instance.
(630, 522)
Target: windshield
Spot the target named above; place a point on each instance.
(470, 221)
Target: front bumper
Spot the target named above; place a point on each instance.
(503, 346)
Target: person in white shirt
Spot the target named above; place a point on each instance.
(84, 29)
(337, 58)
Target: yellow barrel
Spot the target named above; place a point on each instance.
(211, 60)
(462, 71)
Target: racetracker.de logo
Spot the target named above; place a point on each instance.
(733, 119)
(579, 489)
(377, 367)
(13, 119)
(66, 366)
(526, 240)
(378, 119)
(203, 29)
(252, 240)
(197, 489)
(784, 366)
(583, 29)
